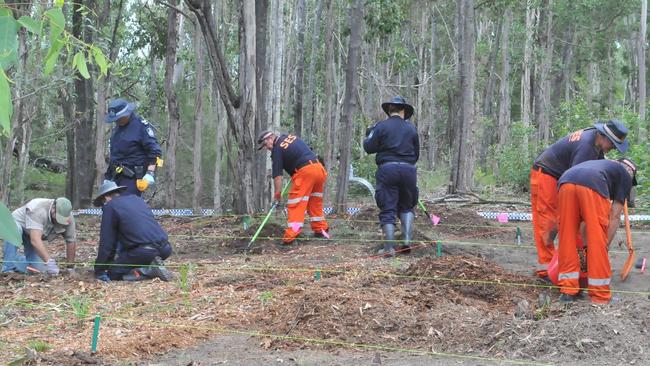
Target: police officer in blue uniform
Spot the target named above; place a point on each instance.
(134, 150)
(128, 220)
(396, 143)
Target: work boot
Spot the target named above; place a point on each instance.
(567, 299)
(406, 219)
(134, 275)
(158, 269)
(323, 234)
(389, 236)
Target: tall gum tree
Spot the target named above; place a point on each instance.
(241, 107)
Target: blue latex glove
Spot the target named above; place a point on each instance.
(106, 181)
(52, 268)
(103, 277)
(149, 178)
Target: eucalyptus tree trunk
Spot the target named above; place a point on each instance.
(197, 171)
(641, 56)
(220, 125)
(543, 95)
(430, 161)
(349, 103)
(526, 82)
(17, 126)
(311, 75)
(82, 167)
(241, 108)
(172, 108)
(503, 120)
(462, 175)
(330, 125)
(103, 91)
(276, 56)
(300, 68)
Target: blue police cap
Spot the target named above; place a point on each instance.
(118, 108)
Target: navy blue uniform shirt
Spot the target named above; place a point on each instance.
(288, 153)
(133, 144)
(607, 177)
(573, 149)
(394, 140)
(129, 220)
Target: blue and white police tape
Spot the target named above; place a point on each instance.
(189, 212)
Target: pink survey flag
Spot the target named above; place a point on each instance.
(435, 220)
(502, 217)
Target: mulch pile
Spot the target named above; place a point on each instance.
(414, 308)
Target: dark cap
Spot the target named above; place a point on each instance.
(616, 132)
(399, 101)
(630, 164)
(263, 136)
(117, 109)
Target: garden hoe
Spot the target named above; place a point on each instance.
(628, 236)
(268, 215)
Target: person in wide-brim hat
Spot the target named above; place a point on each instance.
(106, 188)
(399, 102)
(616, 132)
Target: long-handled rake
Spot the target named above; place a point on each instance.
(627, 267)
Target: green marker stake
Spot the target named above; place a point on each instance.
(246, 221)
(317, 276)
(93, 346)
(518, 236)
(438, 249)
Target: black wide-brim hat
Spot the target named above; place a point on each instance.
(616, 132)
(399, 101)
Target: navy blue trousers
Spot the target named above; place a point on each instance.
(397, 190)
(137, 257)
(129, 183)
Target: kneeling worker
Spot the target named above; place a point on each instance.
(592, 192)
(308, 177)
(128, 220)
(41, 219)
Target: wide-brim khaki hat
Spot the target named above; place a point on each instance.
(105, 189)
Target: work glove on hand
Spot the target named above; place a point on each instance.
(52, 268)
(103, 277)
(149, 178)
(277, 199)
(145, 182)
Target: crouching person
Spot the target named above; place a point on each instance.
(41, 219)
(130, 231)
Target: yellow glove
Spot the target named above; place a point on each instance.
(141, 184)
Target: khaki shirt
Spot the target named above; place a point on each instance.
(35, 215)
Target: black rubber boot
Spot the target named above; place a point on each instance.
(406, 219)
(389, 236)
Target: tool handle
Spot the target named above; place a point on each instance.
(628, 231)
(424, 208)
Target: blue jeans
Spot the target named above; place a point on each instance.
(12, 261)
